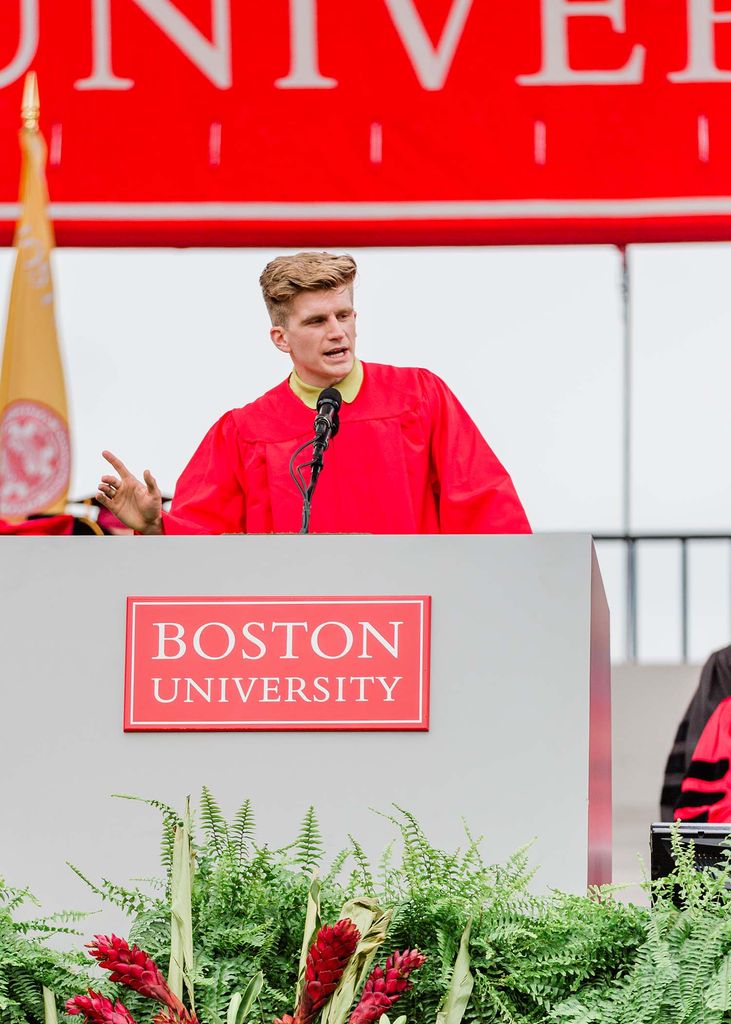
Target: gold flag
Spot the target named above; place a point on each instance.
(35, 452)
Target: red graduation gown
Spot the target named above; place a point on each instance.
(407, 459)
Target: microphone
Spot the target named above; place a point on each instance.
(326, 426)
(327, 420)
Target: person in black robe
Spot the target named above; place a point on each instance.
(714, 687)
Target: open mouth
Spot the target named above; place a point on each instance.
(336, 353)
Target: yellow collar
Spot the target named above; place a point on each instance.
(348, 387)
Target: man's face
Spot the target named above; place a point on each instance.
(319, 336)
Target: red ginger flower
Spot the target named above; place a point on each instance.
(384, 987)
(327, 958)
(131, 966)
(99, 1010)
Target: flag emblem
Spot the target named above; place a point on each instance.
(35, 457)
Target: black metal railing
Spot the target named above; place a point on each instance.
(631, 542)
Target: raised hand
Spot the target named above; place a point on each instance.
(137, 504)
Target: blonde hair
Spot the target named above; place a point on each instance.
(286, 276)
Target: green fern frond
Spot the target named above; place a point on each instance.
(308, 845)
(242, 830)
(12, 898)
(131, 901)
(262, 861)
(337, 866)
(419, 854)
(447, 949)
(169, 814)
(155, 883)
(472, 860)
(171, 820)
(362, 875)
(213, 823)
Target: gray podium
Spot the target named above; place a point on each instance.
(519, 737)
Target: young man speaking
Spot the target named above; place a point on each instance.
(407, 458)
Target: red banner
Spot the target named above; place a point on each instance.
(277, 663)
(378, 122)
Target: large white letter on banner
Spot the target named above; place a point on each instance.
(27, 44)
(102, 76)
(701, 67)
(304, 72)
(212, 58)
(555, 68)
(431, 65)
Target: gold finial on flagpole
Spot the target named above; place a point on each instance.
(30, 108)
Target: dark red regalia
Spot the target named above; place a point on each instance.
(705, 794)
(407, 459)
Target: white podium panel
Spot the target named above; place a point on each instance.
(519, 737)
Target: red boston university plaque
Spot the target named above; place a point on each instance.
(235, 663)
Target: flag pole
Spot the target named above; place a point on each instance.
(30, 108)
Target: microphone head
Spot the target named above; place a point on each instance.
(330, 396)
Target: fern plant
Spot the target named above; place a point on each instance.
(524, 958)
(248, 906)
(27, 963)
(681, 973)
(527, 952)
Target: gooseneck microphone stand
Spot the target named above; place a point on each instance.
(327, 423)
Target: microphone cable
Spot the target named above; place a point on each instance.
(296, 472)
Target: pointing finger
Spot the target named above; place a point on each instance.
(116, 463)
